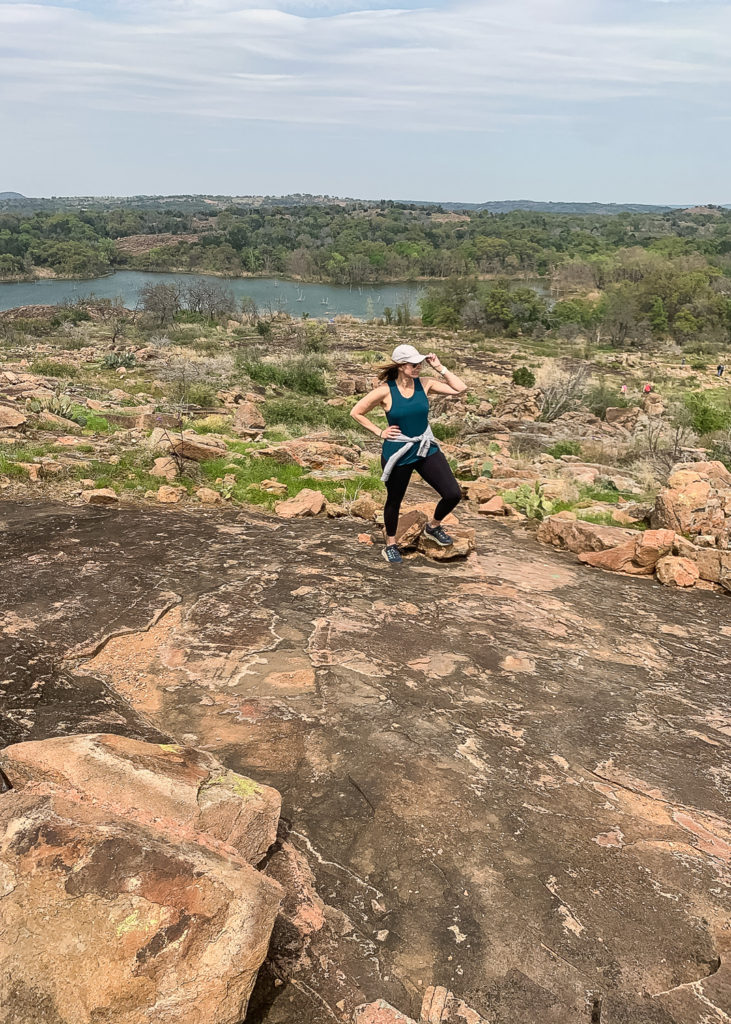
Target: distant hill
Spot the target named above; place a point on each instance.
(589, 209)
(205, 203)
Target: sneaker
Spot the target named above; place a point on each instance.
(438, 535)
(392, 554)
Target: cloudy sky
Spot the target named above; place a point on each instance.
(468, 100)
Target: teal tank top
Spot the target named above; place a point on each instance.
(411, 416)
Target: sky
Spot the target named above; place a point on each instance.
(453, 100)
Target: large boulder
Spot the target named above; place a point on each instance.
(714, 566)
(578, 536)
(247, 416)
(312, 453)
(481, 489)
(180, 789)
(306, 503)
(677, 572)
(653, 405)
(119, 852)
(100, 496)
(198, 447)
(637, 556)
(464, 543)
(627, 417)
(11, 418)
(697, 501)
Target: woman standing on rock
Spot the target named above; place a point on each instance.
(408, 442)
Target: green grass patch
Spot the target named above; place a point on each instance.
(310, 412)
(370, 356)
(9, 467)
(53, 368)
(605, 519)
(29, 452)
(275, 434)
(96, 424)
(445, 431)
(131, 473)
(211, 425)
(252, 471)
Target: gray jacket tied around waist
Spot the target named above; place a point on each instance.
(424, 442)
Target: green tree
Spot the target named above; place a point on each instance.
(658, 318)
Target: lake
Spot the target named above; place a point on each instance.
(271, 295)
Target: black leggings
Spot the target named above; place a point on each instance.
(435, 470)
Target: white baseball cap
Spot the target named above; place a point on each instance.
(407, 354)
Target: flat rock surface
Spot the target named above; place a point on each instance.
(508, 775)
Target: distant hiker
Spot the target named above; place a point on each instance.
(408, 441)
(623, 389)
(682, 361)
(719, 369)
(647, 389)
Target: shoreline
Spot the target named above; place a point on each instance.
(15, 279)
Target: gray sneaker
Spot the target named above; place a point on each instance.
(392, 554)
(438, 536)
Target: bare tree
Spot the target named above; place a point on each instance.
(116, 318)
(562, 391)
(161, 302)
(209, 299)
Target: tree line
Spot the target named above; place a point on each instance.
(686, 299)
(362, 243)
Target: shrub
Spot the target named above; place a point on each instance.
(51, 368)
(200, 393)
(315, 338)
(190, 316)
(565, 448)
(524, 377)
(305, 374)
(706, 415)
(603, 397)
(35, 326)
(113, 360)
(563, 391)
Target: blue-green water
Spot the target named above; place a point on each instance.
(270, 294)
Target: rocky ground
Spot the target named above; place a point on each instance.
(503, 773)
(221, 414)
(503, 777)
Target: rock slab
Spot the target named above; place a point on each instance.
(138, 916)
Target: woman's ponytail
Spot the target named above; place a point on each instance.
(389, 371)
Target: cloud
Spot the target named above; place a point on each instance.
(462, 64)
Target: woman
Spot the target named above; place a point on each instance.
(408, 442)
